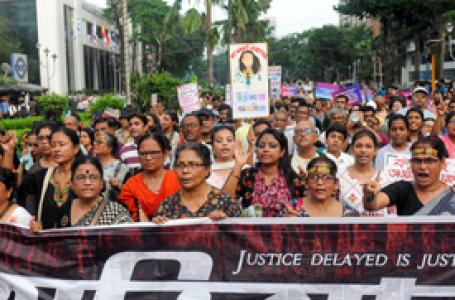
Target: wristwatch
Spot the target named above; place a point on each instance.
(370, 198)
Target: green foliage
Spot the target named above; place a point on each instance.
(52, 106)
(86, 118)
(15, 124)
(10, 44)
(162, 84)
(8, 81)
(107, 101)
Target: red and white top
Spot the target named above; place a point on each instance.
(351, 193)
(129, 155)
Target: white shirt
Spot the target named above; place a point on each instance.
(381, 161)
(343, 161)
(302, 162)
(12, 110)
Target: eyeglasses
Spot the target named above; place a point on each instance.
(83, 178)
(340, 102)
(192, 125)
(426, 161)
(44, 138)
(34, 145)
(306, 131)
(451, 122)
(190, 166)
(314, 178)
(99, 142)
(151, 153)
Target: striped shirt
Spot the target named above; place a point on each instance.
(129, 155)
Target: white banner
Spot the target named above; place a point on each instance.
(275, 82)
(188, 97)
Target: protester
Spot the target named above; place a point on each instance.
(224, 113)
(364, 147)
(123, 134)
(271, 181)
(128, 153)
(279, 120)
(87, 138)
(419, 102)
(341, 101)
(223, 146)
(305, 137)
(72, 123)
(208, 120)
(426, 195)
(153, 123)
(114, 170)
(321, 182)
(169, 125)
(318, 112)
(34, 147)
(144, 192)
(89, 208)
(427, 126)
(372, 123)
(44, 132)
(196, 198)
(415, 120)
(51, 187)
(337, 135)
(449, 121)
(9, 211)
(399, 146)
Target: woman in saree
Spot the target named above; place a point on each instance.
(426, 195)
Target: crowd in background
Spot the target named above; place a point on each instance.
(311, 157)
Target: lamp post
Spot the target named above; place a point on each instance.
(54, 58)
(449, 28)
(126, 50)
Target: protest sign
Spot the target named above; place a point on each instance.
(370, 96)
(289, 91)
(275, 81)
(275, 259)
(249, 80)
(399, 168)
(111, 113)
(188, 97)
(154, 99)
(325, 90)
(227, 98)
(353, 94)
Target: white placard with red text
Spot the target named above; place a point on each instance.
(275, 81)
(188, 97)
(399, 168)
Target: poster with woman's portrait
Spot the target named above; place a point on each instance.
(249, 80)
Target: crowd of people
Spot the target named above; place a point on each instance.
(310, 158)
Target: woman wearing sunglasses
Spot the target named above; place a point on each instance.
(321, 181)
(426, 195)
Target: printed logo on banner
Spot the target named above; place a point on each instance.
(19, 67)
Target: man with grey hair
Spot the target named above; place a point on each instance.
(305, 136)
(336, 116)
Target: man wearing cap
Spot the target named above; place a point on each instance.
(123, 134)
(419, 101)
(209, 119)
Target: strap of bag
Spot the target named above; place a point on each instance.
(98, 212)
(117, 168)
(43, 192)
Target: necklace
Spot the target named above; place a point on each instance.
(60, 200)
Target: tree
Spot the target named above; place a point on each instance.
(9, 42)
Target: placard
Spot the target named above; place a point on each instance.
(325, 90)
(188, 97)
(399, 168)
(227, 98)
(275, 81)
(353, 94)
(111, 113)
(289, 91)
(249, 80)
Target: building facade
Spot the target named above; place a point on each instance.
(352, 21)
(64, 28)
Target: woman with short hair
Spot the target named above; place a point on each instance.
(196, 198)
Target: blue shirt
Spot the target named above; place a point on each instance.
(426, 113)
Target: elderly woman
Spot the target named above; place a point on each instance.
(261, 189)
(196, 198)
(89, 208)
(144, 192)
(114, 170)
(321, 181)
(426, 195)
